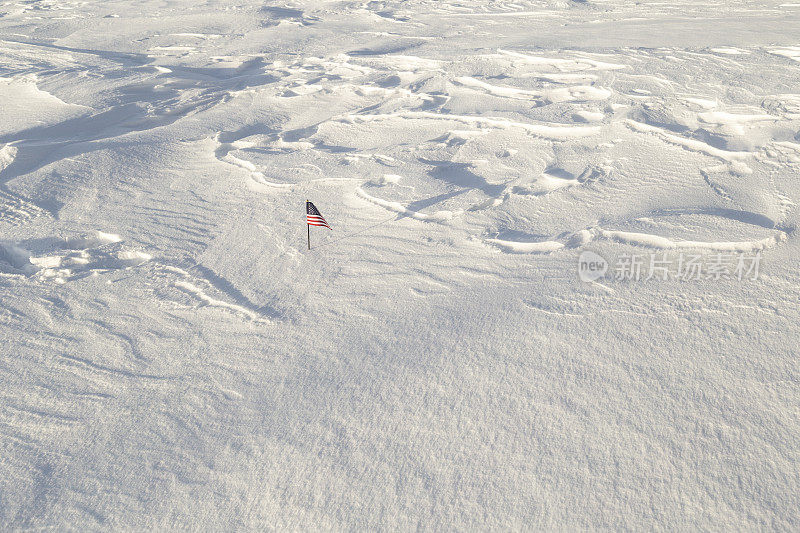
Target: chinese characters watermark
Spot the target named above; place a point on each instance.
(680, 266)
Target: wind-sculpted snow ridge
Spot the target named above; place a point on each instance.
(577, 93)
(654, 241)
(438, 216)
(435, 362)
(13, 209)
(547, 131)
(200, 290)
(696, 145)
(527, 247)
(69, 259)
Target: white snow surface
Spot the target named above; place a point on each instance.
(172, 356)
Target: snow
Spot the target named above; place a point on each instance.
(172, 355)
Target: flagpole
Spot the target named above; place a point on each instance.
(308, 227)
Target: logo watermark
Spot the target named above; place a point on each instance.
(670, 266)
(591, 266)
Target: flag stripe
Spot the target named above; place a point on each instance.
(316, 222)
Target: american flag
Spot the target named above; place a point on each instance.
(313, 216)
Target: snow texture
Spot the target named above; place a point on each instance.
(172, 356)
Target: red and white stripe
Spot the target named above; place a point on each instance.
(316, 220)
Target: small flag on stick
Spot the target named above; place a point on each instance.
(314, 218)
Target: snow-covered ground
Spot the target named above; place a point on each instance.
(171, 355)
